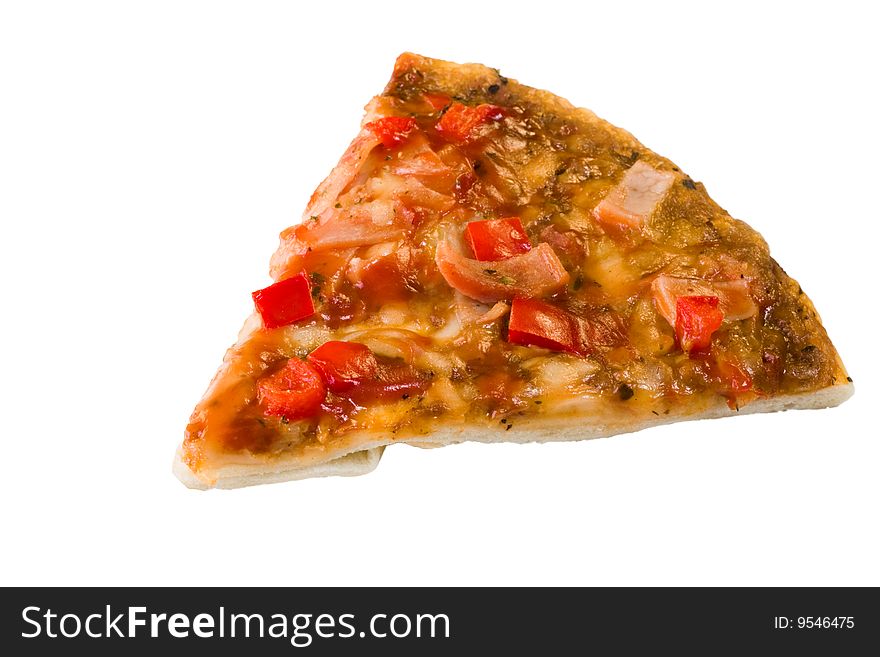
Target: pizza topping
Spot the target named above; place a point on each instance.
(632, 201)
(602, 328)
(732, 380)
(540, 324)
(734, 298)
(387, 205)
(343, 365)
(566, 243)
(392, 343)
(734, 376)
(497, 239)
(467, 310)
(368, 223)
(494, 313)
(383, 273)
(696, 319)
(294, 392)
(535, 273)
(460, 122)
(437, 101)
(392, 130)
(393, 381)
(344, 173)
(352, 371)
(285, 302)
(418, 158)
(413, 194)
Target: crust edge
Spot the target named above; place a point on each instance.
(575, 428)
(241, 476)
(568, 428)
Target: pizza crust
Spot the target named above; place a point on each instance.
(586, 427)
(569, 427)
(276, 471)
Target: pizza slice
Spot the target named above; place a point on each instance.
(489, 263)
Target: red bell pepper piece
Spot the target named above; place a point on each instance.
(696, 319)
(285, 302)
(351, 370)
(295, 391)
(459, 121)
(344, 364)
(392, 130)
(497, 239)
(538, 323)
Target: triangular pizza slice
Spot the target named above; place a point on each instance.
(488, 262)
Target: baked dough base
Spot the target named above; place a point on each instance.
(569, 427)
(277, 470)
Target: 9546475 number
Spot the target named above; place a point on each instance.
(814, 622)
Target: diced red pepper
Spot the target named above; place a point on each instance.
(295, 391)
(538, 323)
(344, 364)
(285, 302)
(459, 121)
(696, 319)
(392, 130)
(497, 239)
(351, 370)
(437, 101)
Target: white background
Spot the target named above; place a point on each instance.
(150, 153)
